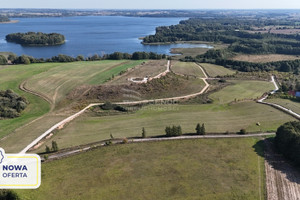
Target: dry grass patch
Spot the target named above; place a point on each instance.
(264, 58)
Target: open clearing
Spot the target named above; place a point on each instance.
(187, 68)
(190, 169)
(292, 105)
(216, 70)
(264, 58)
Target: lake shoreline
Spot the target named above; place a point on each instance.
(10, 22)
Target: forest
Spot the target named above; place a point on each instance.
(36, 38)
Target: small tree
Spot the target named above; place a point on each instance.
(198, 129)
(143, 133)
(242, 131)
(54, 146)
(203, 129)
(47, 149)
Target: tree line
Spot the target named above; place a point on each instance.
(24, 59)
(36, 38)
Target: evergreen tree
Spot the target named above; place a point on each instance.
(54, 146)
(198, 129)
(202, 129)
(143, 133)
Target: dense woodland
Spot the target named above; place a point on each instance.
(234, 31)
(36, 39)
(11, 104)
(287, 141)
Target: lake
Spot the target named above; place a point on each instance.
(90, 35)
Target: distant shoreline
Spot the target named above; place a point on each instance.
(10, 22)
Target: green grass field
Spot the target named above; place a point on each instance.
(221, 169)
(294, 106)
(59, 81)
(187, 68)
(217, 119)
(216, 70)
(10, 78)
(241, 90)
(24, 129)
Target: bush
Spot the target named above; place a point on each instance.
(11, 104)
(242, 131)
(173, 131)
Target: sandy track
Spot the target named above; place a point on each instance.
(282, 179)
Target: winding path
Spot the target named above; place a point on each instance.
(70, 118)
(286, 110)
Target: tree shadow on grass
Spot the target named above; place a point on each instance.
(266, 149)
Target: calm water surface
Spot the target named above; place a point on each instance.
(90, 35)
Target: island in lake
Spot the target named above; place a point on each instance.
(36, 39)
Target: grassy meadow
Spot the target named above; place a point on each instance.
(218, 169)
(292, 105)
(188, 68)
(216, 70)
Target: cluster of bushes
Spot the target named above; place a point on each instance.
(287, 141)
(36, 39)
(11, 104)
(173, 131)
(24, 59)
(110, 106)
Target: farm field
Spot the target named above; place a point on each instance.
(264, 58)
(217, 118)
(216, 70)
(292, 105)
(187, 68)
(56, 83)
(10, 78)
(207, 169)
(242, 90)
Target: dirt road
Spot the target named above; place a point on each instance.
(282, 179)
(65, 153)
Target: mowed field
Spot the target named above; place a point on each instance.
(292, 105)
(216, 70)
(10, 78)
(187, 68)
(242, 90)
(34, 120)
(264, 58)
(218, 117)
(221, 169)
(57, 82)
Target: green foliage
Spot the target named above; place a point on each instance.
(143, 133)
(200, 130)
(3, 60)
(11, 104)
(110, 106)
(54, 147)
(36, 39)
(287, 141)
(243, 131)
(47, 149)
(173, 131)
(8, 195)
